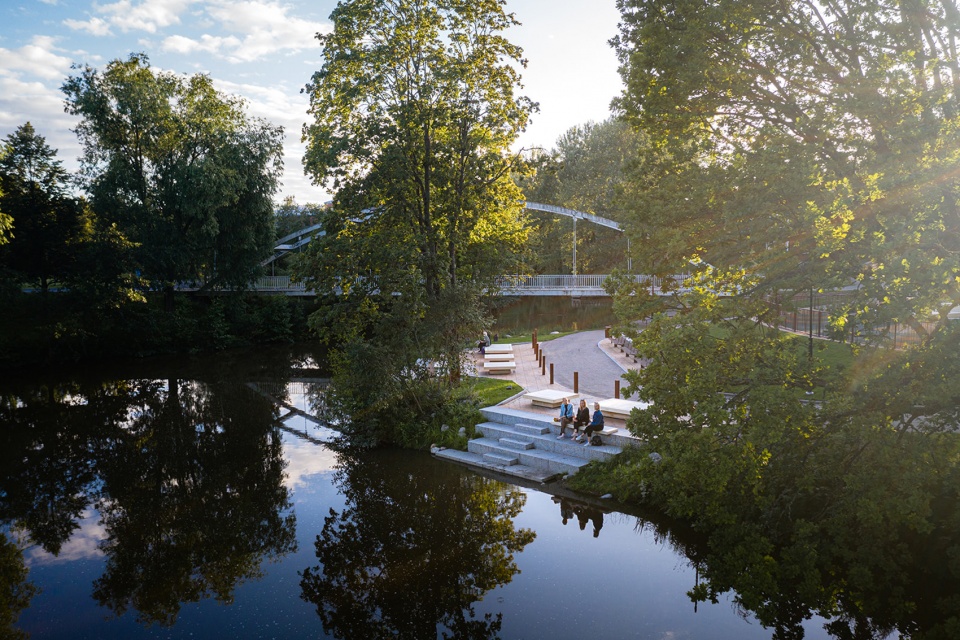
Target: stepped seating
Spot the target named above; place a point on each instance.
(525, 445)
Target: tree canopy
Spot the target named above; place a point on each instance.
(48, 223)
(179, 167)
(807, 141)
(800, 147)
(413, 114)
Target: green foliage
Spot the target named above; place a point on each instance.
(15, 590)
(48, 226)
(814, 146)
(414, 113)
(179, 168)
(36, 332)
(585, 171)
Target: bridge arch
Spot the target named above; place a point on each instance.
(298, 239)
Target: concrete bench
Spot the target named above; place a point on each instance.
(618, 408)
(498, 357)
(550, 398)
(499, 367)
(499, 348)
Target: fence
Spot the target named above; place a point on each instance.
(816, 319)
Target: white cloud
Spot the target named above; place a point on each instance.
(149, 16)
(93, 26)
(206, 44)
(261, 28)
(39, 58)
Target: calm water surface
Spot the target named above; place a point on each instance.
(197, 499)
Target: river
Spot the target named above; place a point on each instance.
(197, 498)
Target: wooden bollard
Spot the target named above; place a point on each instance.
(543, 365)
(551, 373)
(576, 381)
(616, 389)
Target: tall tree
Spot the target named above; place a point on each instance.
(47, 222)
(808, 141)
(801, 145)
(413, 114)
(180, 168)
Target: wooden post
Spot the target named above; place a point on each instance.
(576, 382)
(543, 365)
(551, 373)
(616, 389)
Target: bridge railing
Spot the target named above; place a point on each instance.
(507, 283)
(278, 283)
(541, 282)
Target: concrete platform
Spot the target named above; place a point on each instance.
(524, 444)
(551, 398)
(499, 367)
(618, 408)
(499, 348)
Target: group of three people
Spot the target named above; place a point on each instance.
(582, 419)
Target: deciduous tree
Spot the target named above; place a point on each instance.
(180, 168)
(413, 114)
(48, 223)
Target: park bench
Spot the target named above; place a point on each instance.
(498, 357)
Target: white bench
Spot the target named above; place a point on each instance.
(550, 398)
(618, 408)
(499, 367)
(498, 357)
(499, 348)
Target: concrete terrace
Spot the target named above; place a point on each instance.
(519, 439)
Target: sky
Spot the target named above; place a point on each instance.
(265, 52)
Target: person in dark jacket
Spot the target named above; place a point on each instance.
(596, 424)
(582, 419)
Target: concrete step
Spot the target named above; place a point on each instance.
(548, 442)
(531, 429)
(517, 470)
(549, 461)
(502, 415)
(499, 458)
(514, 443)
(524, 444)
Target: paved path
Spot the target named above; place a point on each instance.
(598, 364)
(580, 352)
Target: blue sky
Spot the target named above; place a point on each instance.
(265, 52)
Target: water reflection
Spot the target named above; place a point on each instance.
(412, 552)
(169, 487)
(584, 513)
(187, 478)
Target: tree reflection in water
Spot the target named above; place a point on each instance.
(412, 553)
(188, 478)
(194, 502)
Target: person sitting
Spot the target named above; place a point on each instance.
(582, 419)
(566, 417)
(596, 424)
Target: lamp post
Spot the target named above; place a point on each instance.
(574, 246)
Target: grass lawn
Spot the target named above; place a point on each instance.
(526, 338)
(492, 391)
